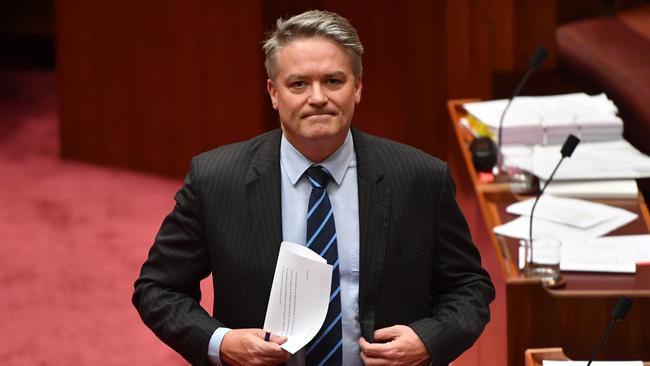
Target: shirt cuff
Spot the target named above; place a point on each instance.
(214, 347)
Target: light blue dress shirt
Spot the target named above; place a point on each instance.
(343, 195)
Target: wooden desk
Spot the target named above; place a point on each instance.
(535, 356)
(574, 316)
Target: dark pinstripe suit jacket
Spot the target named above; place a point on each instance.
(418, 265)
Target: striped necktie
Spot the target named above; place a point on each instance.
(326, 347)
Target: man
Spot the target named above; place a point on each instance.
(408, 287)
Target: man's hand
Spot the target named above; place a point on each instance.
(248, 347)
(402, 347)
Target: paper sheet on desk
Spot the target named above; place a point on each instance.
(593, 189)
(519, 227)
(299, 296)
(571, 109)
(593, 160)
(573, 212)
(617, 254)
(595, 363)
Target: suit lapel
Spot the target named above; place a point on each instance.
(374, 221)
(263, 201)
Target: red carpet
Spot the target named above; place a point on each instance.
(73, 237)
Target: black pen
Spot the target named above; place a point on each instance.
(267, 336)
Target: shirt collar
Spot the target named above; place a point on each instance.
(296, 163)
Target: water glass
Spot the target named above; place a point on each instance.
(543, 259)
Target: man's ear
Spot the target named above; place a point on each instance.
(273, 93)
(357, 91)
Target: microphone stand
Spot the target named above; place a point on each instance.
(611, 325)
(532, 211)
(499, 166)
(618, 313)
(567, 149)
(535, 62)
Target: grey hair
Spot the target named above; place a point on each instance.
(313, 23)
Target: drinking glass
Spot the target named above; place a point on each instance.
(543, 259)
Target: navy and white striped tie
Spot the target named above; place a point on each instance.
(326, 347)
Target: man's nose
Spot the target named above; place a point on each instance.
(317, 95)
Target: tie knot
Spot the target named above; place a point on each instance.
(318, 176)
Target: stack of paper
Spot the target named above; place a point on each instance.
(549, 119)
(564, 218)
(594, 189)
(598, 160)
(534, 129)
(617, 254)
(580, 225)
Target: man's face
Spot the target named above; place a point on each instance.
(314, 92)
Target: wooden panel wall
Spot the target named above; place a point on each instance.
(148, 84)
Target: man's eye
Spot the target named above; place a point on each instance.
(334, 81)
(298, 84)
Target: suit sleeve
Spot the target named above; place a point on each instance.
(167, 293)
(461, 289)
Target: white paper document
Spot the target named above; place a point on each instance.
(573, 212)
(549, 119)
(592, 160)
(617, 254)
(613, 254)
(519, 227)
(593, 189)
(595, 363)
(299, 296)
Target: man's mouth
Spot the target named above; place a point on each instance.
(318, 114)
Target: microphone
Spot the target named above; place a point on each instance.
(567, 149)
(535, 62)
(618, 313)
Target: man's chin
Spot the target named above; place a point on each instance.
(318, 122)
(323, 133)
(316, 139)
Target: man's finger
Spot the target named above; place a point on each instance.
(274, 338)
(405, 348)
(373, 350)
(389, 333)
(270, 337)
(277, 339)
(269, 346)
